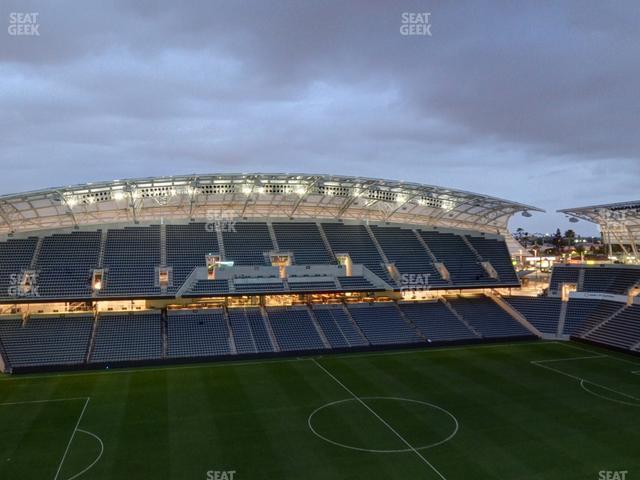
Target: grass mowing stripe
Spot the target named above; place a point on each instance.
(358, 399)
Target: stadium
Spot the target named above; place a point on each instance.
(289, 325)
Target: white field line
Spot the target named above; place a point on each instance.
(584, 387)
(97, 458)
(584, 381)
(370, 450)
(73, 434)
(76, 429)
(43, 401)
(568, 359)
(231, 363)
(384, 422)
(615, 357)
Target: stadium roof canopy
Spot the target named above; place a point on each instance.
(619, 223)
(254, 196)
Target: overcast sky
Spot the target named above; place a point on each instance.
(537, 103)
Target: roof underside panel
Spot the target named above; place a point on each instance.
(619, 222)
(255, 195)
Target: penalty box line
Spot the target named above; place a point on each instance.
(581, 380)
(614, 357)
(75, 430)
(382, 420)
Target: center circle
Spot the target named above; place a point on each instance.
(433, 422)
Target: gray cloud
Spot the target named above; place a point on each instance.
(537, 103)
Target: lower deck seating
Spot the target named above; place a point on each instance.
(383, 324)
(622, 330)
(542, 312)
(436, 321)
(294, 329)
(125, 337)
(197, 333)
(585, 314)
(128, 337)
(46, 341)
(338, 328)
(249, 331)
(486, 317)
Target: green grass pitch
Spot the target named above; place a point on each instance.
(537, 410)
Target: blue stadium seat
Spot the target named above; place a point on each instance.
(338, 327)
(486, 317)
(355, 240)
(563, 274)
(187, 248)
(15, 257)
(196, 333)
(131, 256)
(249, 331)
(355, 283)
(462, 264)
(247, 243)
(294, 329)
(383, 324)
(622, 330)
(584, 314)
(404, 250)
(66, 262)
(304, 241)
(127, 337)
(496, 252)
(542, 312)
(51, 340)
(436, 322)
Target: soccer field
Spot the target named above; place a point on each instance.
(513, 411)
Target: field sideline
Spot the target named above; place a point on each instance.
(536, 410)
